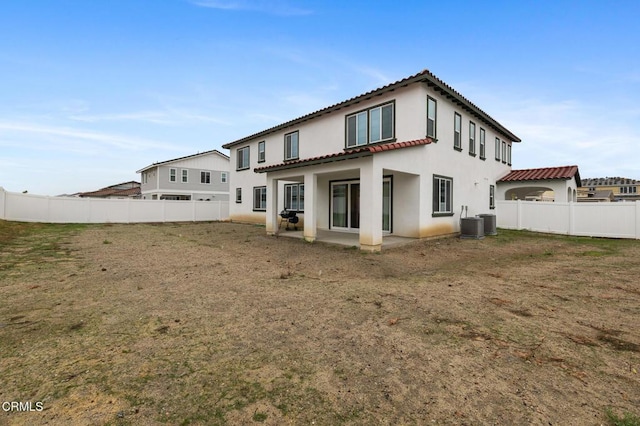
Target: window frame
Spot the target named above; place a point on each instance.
(261, 198)
(184, 176)
(367, 128)
(509, 154)
(504, 152)
(457, 131)
(472, 138)
(497, 149)
(435, 118)
(437, 195)
(483, 144)
(288, 144)
(492, 197)
(289, 197)
(261, 152)
(173, 175)
(224, 177)
(245, 155)
(203, 177)
(238, 195)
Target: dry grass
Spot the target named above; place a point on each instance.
(215, 323)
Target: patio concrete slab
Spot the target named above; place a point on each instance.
(350, 239)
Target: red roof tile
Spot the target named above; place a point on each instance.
(564, 172)
(363, 151)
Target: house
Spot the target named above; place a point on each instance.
(123, 190)
(403, 159)
(544, 184)
(623, 189)
(203, 176)
(604, 196)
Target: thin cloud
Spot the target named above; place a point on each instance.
(72, 135)
(273, 7)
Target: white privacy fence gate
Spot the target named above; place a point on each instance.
(613, 220)
(38, 208)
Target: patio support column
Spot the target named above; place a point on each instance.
(272, 222)
(310, 202)
(370, 206)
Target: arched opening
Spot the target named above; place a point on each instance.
(530, 193)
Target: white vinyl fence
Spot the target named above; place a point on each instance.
(38, 208)
(613, 220)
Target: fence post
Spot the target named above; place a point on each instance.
(519, 214)
(3, 211)
(571, 230)
(637, 204)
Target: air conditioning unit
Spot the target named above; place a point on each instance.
(472, 228)
(490, 227)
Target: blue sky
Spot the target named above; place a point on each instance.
(91, 91)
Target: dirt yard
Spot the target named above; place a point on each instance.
(216, 323)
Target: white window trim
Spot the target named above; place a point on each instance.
(206, 172)
(173, 175)
(288, 146)
(246, 155)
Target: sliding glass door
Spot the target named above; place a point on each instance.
(345, 205)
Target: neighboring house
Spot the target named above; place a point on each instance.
(623, 189)
(545, 184)
(203, 176)
(122, 190)
(605, 196)
(402, 159)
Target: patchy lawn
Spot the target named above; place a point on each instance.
(216, 323)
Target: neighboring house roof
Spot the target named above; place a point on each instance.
(546, 173)
(424, 76)
(364, 151)
(200, 154)
(609, 181)
(126, 189)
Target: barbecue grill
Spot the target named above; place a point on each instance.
(289, 216)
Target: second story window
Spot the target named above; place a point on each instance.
(431, 117)
(205, 177)
(261, 152)
(457, 131)
(483, 147)
(185, 176)
(224, 177)
(504, 152)
(497, 149)
(370, 126)
(291, 146)
(243, 158)
(472, 138)
(509, 154)
(173, 175)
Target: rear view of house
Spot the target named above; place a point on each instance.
(203, 176)
(403, 159)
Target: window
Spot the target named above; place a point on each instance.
(370, 126)
(173, 175)
(509, 154)
(472, 138)
(628, 189)
(205, 177)
(294, 197)
(492, 196)
(483, 147)
(504, 152)
(442, 196)
(238, 195)
(261, 154)
(185, 175)
(260, 198)
(497, 149)
(431, 117)
(291, 146)
(457, 131)
(224, 177)
(243, 158)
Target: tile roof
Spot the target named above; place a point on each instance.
(546, 173)
(609, 181)
(363, 151)
(424, 76)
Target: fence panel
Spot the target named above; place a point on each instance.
(38, 208)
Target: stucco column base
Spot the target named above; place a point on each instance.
(371, 248)
(309, 239)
